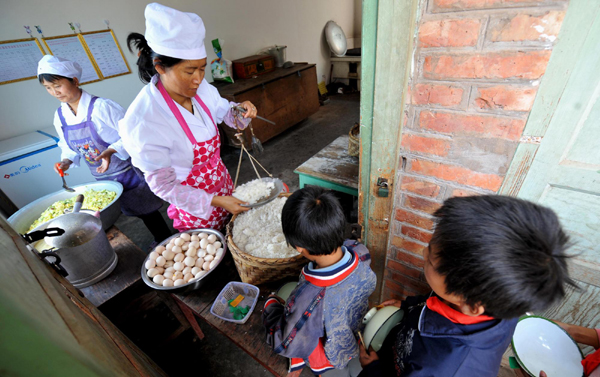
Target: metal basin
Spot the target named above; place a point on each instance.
(22, 219)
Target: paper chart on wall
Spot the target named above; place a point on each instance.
(106, 52)
(19, 59)
(72, 48)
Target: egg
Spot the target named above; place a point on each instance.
(153, 255)
(217, 245)
(195, 244)
(169, 255)
(178, 282)
(191, 253)
(185, 236)
(170, 269)
(195, 270)
(178, 242)
(187, 277)
(203, 243)
(212, 238)
(159, 249)
(189, 261)
(158, 279)
(203, 235)
(210, 249)
(177, 249)
(160, 261)
(195, 238)
(167, 283)
(177, 275)
(186, 270)
(178, 266)
(152, 272)
(219, 253)
(150, 263)
(213, 263)
(200, 274)
(201, 253)
(160, 270)
(169, 263)
(185, 246)
(168, 275)
(179, 257)
(206, 266)
(168, 248)
(209, 258)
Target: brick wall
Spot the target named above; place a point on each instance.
(477, 66)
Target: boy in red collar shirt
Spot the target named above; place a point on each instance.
(490, 260)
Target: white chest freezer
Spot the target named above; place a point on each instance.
(27, 168)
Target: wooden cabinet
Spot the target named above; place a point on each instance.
(285, 96)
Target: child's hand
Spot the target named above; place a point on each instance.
(367, 358)
(396, 303)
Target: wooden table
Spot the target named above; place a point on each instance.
(331, 168)
(126, 274)
(249, 336)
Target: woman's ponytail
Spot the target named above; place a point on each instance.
(146, 57)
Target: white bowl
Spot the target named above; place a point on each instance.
(540, 344)
(379, 323)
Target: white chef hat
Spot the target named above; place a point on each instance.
(55, 65)
(173, 33)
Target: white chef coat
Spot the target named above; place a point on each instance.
(153, 136)
(105, 115)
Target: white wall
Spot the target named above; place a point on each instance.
(245, 26)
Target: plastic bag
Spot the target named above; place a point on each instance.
(221, 69)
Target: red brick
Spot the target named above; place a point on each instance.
(411, 218)
(420, 187)
(528, 65)
(410, 259)
(403, 243)
(404, 284)
(421, 204)
(447, 5)
(415, 273)
(505, 98)
(464, 192)
(423, 144)
(389, 294)
(443, 95)
(457, 174)
(480, 126)
(398, 289)
(417, 234)
(449, 33)
(526, 27)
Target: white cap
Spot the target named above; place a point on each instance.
(55, 65)
(173, 33)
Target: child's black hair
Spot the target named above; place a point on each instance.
(52, 78)
(146, 57)
(501, 252)
(313, 218)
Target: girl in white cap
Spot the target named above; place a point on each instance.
(87, 129)
(170, 129)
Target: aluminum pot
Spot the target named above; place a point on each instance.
(23, 218)
(84, 249)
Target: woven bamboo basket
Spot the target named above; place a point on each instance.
(354, 140)
(254, 270)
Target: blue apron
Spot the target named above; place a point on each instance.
(137, 198)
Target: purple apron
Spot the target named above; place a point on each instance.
(137, 198)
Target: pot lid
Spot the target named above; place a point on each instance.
(79, 228)
(336, 38)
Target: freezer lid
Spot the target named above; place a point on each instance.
(20, 146)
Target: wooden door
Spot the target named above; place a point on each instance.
(48, 329)
(565, 168)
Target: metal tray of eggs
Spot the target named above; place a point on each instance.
(184, 261)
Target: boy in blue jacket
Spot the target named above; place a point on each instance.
(319, 322)
(491, 259)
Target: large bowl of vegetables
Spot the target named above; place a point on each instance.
(38, 213)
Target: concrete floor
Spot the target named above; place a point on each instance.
(216, 355)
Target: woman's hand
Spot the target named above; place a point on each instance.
(365, 357)
(251, 111)
(63, 165)
(230, 203)
(395, 303)
(105, 157)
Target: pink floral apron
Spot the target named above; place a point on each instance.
(208, 173)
